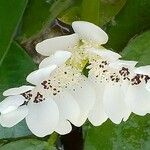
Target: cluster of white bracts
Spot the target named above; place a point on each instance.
(62, 95)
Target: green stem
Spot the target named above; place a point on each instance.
(52, 139)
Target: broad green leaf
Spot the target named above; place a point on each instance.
(11, 12)
(39, 15)
(100, 11)
(15, 67)
(13, 71)
(135, 132)
(71, 14)
(138, 49)
(132, 20)
(95, 11)
(27, 144)
(90, 11)
(109, 9)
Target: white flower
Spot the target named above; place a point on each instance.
(57, 98)
(109, 84)
(110, 76)
(72, 92)
(62, 95)
(83, 31)
(116, 89)
(86, 36)
(41, 112)
(138, 94)
(88, 33)
(86, 45)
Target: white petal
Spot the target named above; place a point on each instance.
(58, 59)
(127, 114)
(97, 115)
(138, 99)
(11, 103)
(90, 32)
(68, 106)
(36, 77)
(43, 117)
(12, 118)
(145, 70)
(17, 90)
(148, 86)
(123, 63)
(50, 46)
(115, 107)
(85, 97)
(105, 54)
(63, 127)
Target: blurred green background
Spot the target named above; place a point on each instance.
(23, 23)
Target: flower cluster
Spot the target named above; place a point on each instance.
(61, 94)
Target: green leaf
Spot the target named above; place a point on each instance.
(72, 13)
(97, 11)
(138, 49)
(15, 67)
(100, 11)
(13, 71)
(90, 11)
(19, 130)
(11, 12)
(40, 14)
(130, 135)
(132, 20)
(109, 9)
(27, 144)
